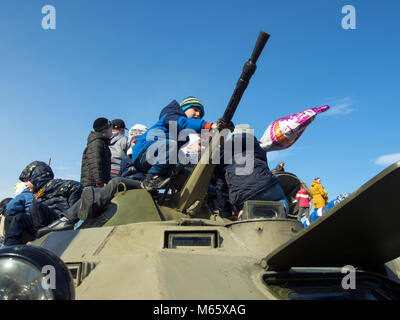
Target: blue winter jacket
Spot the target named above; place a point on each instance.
(171, 112)
(20, 203)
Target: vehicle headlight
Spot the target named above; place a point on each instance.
(33, 273)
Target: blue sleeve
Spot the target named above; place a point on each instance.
(190, 123)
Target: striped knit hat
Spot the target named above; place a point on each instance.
(190, 102)
(136, 131)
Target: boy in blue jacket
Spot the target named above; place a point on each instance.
(20, 203)
(186, 115)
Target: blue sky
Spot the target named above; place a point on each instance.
(128, 59)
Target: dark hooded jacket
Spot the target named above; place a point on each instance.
(244, 187)
(96, 160)
(57, 194)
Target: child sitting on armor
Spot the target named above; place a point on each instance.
(91, 203)
(253, 183)
(51, 198)
(159, 140)
(127, 170)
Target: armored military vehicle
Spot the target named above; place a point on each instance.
(174, 245)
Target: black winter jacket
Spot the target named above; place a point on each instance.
(96, 160)
(59, 195)
(244, 187)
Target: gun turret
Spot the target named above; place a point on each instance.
(195, 188)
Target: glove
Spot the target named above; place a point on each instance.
(225, 124)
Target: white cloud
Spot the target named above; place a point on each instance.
(342, 107)
(388, 159)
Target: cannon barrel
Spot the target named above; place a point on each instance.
(195, 188)
(248, 70)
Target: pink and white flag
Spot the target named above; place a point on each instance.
(284, 132)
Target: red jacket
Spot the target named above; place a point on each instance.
(303, 198)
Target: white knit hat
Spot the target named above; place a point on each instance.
(135, 132)
(19, 187)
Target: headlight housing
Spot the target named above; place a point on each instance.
(33, 273)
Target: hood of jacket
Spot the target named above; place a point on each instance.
(172, 109)
(97, 135)
(38, 173)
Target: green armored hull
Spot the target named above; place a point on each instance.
(137, 251)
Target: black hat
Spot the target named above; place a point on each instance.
(118, 124)
(101, 124)
(3, 205)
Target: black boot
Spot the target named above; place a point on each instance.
(154, 182)
(61, 224)
(87, 200)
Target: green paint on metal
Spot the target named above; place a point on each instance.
(133, 206)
